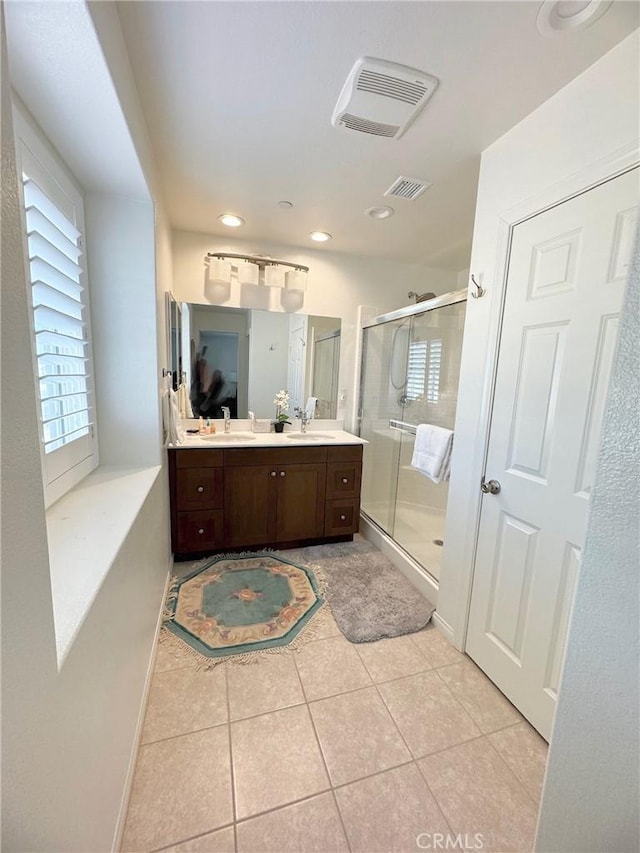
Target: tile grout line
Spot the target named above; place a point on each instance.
(512, 772)
(414, 761)
(324, 762)
(232, 774)
(191, 838)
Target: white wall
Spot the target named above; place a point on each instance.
(69, 735)
(122, 282)
(589, 125)
(337, 285)
(268, 360)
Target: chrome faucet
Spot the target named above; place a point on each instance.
(304, 418)
(226, 414)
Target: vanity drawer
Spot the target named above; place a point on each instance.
(343, 479)
(199, 488)
(199, 531)
(345, 453)
(341, 517)
(199, 458)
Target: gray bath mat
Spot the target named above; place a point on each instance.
(369, 597)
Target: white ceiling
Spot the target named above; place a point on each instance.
(239, 96)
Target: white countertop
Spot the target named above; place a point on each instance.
(292, 438)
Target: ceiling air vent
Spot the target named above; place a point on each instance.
(382, 98)
(409, 188)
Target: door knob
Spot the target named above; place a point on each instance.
(283, 473)
(201, 488)
(345, 480)
(273, 473)
(492, 487)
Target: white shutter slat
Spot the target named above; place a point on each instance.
(59, 440)
(48, 297)
(48, 319)
(66, 416)
(35, 197)
(46, 251)
(38, 223)
(47, 338)
(42, 271)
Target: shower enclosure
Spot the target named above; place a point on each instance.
(410, 372)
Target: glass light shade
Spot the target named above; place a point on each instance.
(248, 272)
(296, 280)
(274, 276)
(219, 271)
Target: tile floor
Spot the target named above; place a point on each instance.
(337, 747)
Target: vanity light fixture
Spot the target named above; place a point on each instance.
(248, 273)
(274, 275)
(248, 267)
(231, 220)
(219, 271)
(320, 236)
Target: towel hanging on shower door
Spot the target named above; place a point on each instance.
(432, 452)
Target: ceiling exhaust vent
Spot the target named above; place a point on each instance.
(382, 98)
(409, 188)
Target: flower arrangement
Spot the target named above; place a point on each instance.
(281, 402)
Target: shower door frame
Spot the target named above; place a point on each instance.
(452, 298)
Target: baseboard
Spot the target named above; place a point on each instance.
(443, 627)
(126, 794)
(414, 573)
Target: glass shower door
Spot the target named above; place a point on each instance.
(433, 370)
(384, 360)
(410, 375)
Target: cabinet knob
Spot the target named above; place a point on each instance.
(201, 531)
(273, 473)
(345, 480)
(343, 518)
(201, 488)
(283, 474)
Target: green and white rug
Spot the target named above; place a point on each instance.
(233, 607)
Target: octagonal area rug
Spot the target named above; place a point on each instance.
(236, 606)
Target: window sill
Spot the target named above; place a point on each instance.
(86, 530)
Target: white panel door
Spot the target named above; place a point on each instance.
(565, 285)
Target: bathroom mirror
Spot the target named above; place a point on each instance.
(241, 358)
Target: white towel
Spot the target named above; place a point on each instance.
(432, 452)
(173, 433)
(184, 403)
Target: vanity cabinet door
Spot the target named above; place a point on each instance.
(250, 505)
(301, 495)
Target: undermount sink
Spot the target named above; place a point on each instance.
(309, 436)
(228, 436)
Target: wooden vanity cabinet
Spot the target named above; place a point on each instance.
(259, 497)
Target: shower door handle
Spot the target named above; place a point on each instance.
(490, 487)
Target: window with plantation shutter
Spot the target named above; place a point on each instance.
(423, 370)
(53, 222)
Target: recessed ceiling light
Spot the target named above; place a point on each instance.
(285, 205)
(320, 236)
(556, 17)
(379, 212)
(231, 220)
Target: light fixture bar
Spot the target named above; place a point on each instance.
(259, 260)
